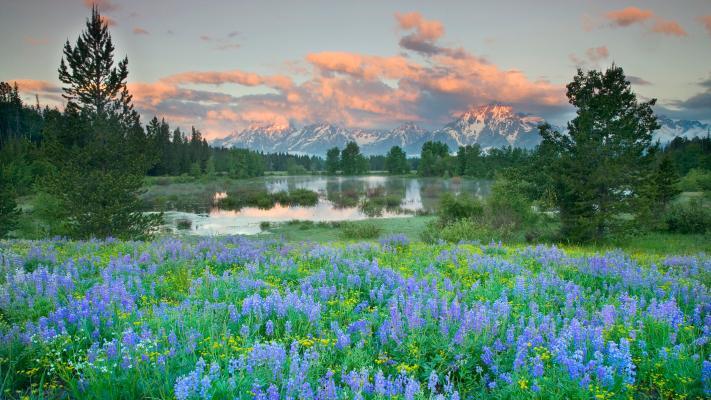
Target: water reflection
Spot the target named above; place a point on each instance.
(339, 198)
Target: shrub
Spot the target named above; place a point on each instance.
(351, 230)
(691, 217)
(183, 223)
(264, 225)
(452, 208)
(696, 180)
(466, 229)
(302, 197)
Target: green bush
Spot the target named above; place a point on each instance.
(183, 223)
(302, 197)
(691, 217)
(351, 230)
(452, 208)
(696, 180)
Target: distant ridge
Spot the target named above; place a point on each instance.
(490, 126)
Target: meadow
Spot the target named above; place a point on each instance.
(241, 318)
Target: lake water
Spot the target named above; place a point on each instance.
(339, 199)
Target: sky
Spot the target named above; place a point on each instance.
(223, 65)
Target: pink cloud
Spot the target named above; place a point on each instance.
(633, 15)
(596, 54)
(425, 35)
(628, 16)
(36, 41)
(140, 31)
(666, 27)
(706, 21)
(36, 86)
(352, 89)
(108, 20)
(428, 30)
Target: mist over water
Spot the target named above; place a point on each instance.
(339, 199)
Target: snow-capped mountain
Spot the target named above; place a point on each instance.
(489, 126)
(673, 128)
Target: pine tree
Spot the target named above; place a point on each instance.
(9, 213)
(599, 163)
(665, 180)
(92, 84)
(98, 147)
(333, 160)
(352, 162)
(396, 161)
(433, 159)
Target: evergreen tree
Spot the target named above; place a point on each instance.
(333, 160)
(92, 84)
(98, 147)
(665, 180)
(9, 213)
(396, 161)
(352, 162)
(599, 164)
(434, 159)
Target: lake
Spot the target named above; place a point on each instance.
(193, 208)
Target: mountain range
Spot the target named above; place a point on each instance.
(490, 126)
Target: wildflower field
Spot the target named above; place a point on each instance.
(236, 318)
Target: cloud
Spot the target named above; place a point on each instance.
(635, 80)
(706, 83)
(36, 86)
(592, 57)
(628, 16)
(348, 88)
(636, 16)
(596, 54)
(706, 21)
(47, 91)
(228, 46)
(696, 107)
(666, 27)
(108, 20)
(102, 5)
(425, 35)
(33, 41)
(140, 31)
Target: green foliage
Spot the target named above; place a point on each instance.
(697, 180)
(293, 168)
(352, 162)
(690, 217)
(351, 230)
(333, 163)
(599, 163)
(98, 147)
(452, 208)
(435, 160)
(9, 213)
(396, 161)
(506, 214)
(689, 154)
(471, 161)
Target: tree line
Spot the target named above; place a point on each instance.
(89, 161)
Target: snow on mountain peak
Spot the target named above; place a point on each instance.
(493, 125)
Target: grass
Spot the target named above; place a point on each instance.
(652, 243)
(298, 231)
